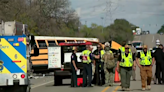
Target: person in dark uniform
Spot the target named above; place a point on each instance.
(87, 59)
(96, 79)
(74, 67)
(159, 57)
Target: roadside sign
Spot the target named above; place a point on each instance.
(54, 57)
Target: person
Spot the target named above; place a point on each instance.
(134, 51)
(125, 64)
(74, 67)
(96, 79)
(109, 64)
(159, 57)
(87, 59)
(145, 64)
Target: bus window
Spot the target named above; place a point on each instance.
(68, 49)
(70, 41)
(51, 43)
(60, 41)
(42, 43)
(79, 40)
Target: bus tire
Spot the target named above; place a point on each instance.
(57, 80)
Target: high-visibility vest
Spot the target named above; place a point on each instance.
(103, 52)
(145, 60)
(86, 57)
(126, 61)
(122, 49)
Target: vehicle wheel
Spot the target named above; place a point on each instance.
(57, 80)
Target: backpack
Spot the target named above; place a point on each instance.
(109, 60)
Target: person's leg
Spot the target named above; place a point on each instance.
(72, 78)
(158, 72)
(162, 65)
(106, 78)
(102, 73)
(89, 73)
(111, 77)
(143, 77)
(133, 75)
(84, 75)
(129, 74)
(149, 76)
(123, 77)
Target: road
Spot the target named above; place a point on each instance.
(45, 84)
(150, 39)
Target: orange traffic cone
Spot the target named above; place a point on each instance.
(116, 77)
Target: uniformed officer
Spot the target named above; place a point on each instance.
(87, 66)
(125, 64)
(74, 67)
(145, 64)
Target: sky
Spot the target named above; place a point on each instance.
(147, 14)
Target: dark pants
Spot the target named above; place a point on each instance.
(126, 73)
(87, 72)
(73, 78)
(159, 70)
(99, 78)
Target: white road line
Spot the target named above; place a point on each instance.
(153, 39)
(35, 86)
(139, 38)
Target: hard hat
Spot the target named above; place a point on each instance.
(126, 46)
(107, 44)
(145, 46)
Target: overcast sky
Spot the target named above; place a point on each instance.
(148, 14)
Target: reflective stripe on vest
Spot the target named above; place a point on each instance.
(145, 60)
(85, 56)
(103, 52)
(126, 61)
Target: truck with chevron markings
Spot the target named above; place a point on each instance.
(15, 55)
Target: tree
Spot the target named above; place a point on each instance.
(161, 30)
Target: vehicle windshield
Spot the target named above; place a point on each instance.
(137, 44)
(68, 49)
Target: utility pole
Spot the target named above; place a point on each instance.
(102, 24)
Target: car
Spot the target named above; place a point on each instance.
(161, 33)
(137, 44)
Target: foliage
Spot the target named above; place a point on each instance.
(161, 30)
(56, 18)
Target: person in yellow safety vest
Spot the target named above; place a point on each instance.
(87, 59)
(125, 64)
(145, 64)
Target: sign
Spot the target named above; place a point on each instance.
(54, 57)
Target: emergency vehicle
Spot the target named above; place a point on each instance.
(59, 59)
(138, 45)
(15, 57)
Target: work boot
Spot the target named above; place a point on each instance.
(149, 87)
(143, 89)
(123, 89)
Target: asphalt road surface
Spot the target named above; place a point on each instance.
(150, 39)
(45, 84)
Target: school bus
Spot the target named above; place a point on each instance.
(40, 63)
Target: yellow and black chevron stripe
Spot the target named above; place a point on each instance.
(10, 54)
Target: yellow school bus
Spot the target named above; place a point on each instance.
(40, 63)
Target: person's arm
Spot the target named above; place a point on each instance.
(118, 62)
(137, 60)
(73, 62)
(153, 58)
(134, 62)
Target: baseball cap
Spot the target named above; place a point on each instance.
(74, 48)
(126, 46)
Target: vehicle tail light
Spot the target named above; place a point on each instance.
(20, 39)
(22, 76)
(16, 61)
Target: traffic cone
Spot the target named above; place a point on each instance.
(116, 77)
